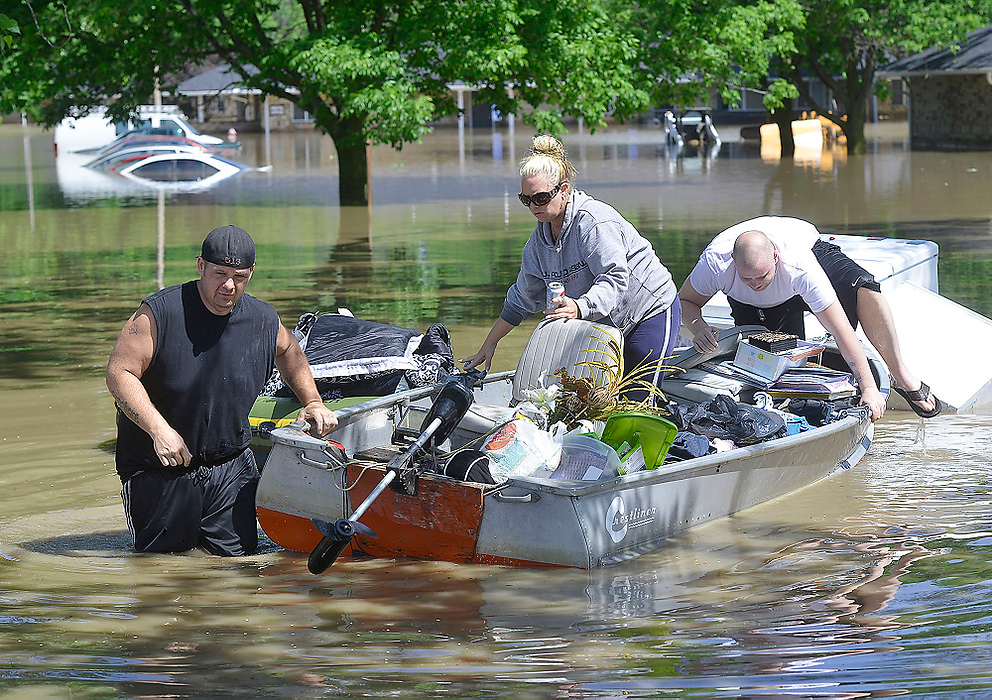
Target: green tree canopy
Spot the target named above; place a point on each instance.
(371, 72)
(775, 46)
(844, 42)
(687, 46)
(8, 28)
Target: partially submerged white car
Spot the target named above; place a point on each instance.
(95, 129)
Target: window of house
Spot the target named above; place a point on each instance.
(301, 115)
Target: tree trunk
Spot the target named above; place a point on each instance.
(354, 167)
(354, 175)
(854, 127)
(783, 116)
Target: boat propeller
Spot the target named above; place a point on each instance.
(337, 536)
(450, 406)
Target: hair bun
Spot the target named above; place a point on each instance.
(547, 156)
(548, 145)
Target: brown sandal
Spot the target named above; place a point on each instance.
(921, 394)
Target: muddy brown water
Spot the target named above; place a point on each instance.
(872, 582)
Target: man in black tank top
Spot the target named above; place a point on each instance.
(184, 372)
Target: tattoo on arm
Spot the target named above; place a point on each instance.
(856, 373)
(132, 329)
(129, 411)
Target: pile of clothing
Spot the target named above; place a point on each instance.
(350, 356)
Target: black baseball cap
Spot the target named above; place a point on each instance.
(229, 246)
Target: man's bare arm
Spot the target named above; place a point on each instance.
(292, 365)
(835, 322)
(128, 362)
(703, 335)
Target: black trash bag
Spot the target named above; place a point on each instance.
(434, 358)
(722, 417)
(350, 356)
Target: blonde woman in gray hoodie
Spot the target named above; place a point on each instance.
(610, 272)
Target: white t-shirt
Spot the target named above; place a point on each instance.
(797, 270)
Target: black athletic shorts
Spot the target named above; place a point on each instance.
(846, 277)
(170, 510)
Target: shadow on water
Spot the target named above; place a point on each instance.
(111, 543)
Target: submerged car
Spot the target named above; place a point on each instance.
(193, 168)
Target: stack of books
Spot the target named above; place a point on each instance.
(809, 381)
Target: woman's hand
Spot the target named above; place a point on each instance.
(567, 308)
(485, 354)
(488, 349)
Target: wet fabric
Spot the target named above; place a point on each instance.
(819, 412)
(206, 373)
(689, 446)
(173, 509)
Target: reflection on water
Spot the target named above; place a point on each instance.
(836, 592)
(871, 582)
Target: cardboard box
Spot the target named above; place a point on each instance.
(771, 365)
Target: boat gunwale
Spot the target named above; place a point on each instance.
(682, 469)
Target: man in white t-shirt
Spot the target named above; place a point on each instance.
(773, 269)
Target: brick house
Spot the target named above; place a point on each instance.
(950, 94)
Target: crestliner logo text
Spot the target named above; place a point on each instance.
(618, 520)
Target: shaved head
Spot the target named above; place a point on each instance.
(753, 250)
(755, 258)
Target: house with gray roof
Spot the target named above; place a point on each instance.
(220, 98)
(950, 94)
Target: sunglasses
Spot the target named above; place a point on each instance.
(539, 198)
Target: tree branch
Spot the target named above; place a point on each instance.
(41, 32)
(796, 77)
(310, 15)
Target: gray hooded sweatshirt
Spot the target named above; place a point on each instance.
(610, 270)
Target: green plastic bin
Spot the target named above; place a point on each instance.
(653, 433)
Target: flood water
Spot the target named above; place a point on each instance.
(871, 583)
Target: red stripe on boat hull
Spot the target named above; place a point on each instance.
(289, 531)
(440, 523)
